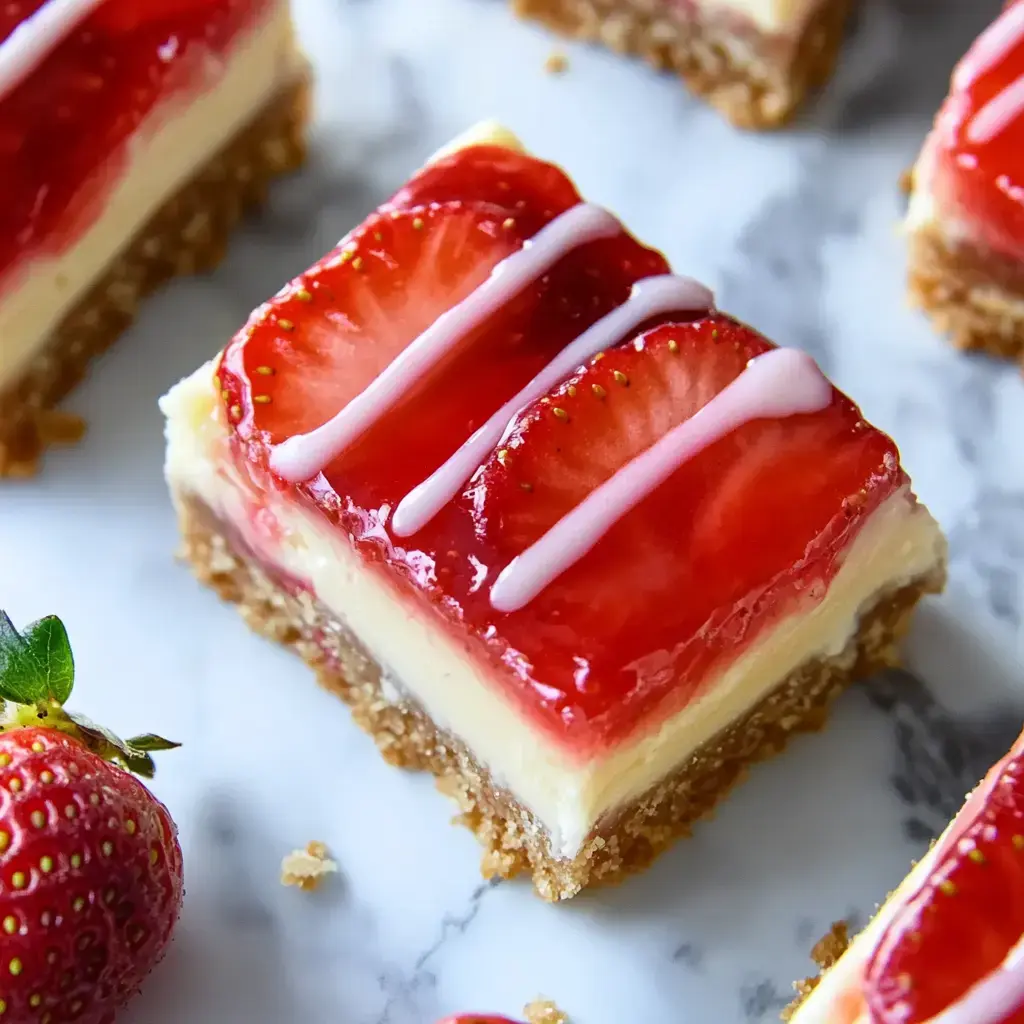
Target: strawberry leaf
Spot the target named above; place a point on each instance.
(151, 742)
(20, 679)
(50, 649)
(132, 754)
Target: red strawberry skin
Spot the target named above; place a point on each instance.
(64, 134)
(761, 519)
(966, 916)
(981, 182)
(90, 881)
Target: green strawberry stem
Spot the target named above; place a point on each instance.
(37, 674)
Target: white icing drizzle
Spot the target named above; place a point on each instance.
(653, 296)
(992, 46)
(998, 114)
(780, 383)
(303, 456)
(36, 37)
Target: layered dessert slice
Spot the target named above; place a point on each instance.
(753, 60)
(560, 532)
(132, 135)
(966, 217)
(946, 947)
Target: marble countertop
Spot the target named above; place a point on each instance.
(797, 233)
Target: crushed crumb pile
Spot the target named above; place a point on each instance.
(307, 868)
(544, 1011)
(557, 63)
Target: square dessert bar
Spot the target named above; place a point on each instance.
(945, 947)
(753, 60)
(543, 516)
(966, 218)
(133, 133)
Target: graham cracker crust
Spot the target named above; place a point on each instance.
(188, 235)
(514, 841)
(825, 953)
(974, 297)
(755, 80)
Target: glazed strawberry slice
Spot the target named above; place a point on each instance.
(959, 926)
(758, 518)
(528, 189)
(320, 342)
(979, 172)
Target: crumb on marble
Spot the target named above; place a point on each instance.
(557, 63)
(544, 1011)
(307, 868)
(824, 954)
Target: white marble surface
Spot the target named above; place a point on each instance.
(796, 233)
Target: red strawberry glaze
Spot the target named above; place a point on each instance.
(65, 130)
(738, 537)
(978, 179)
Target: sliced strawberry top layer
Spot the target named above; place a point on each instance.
(959, 925)
(64, 131)
(978, 142)
(739, 536)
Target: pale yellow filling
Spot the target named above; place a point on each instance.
(169, 148)
(772, 16)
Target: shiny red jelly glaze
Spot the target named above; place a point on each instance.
(64, 131)
(981, 182)
(477, 1018)
(962, 920)
(594, 657)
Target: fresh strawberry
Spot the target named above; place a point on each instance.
(978, 166)
(963, 920)
(321, 341)
(90, 866)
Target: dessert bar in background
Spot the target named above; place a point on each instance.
(456, 466)
(946, 946)
(132, 136)
(756, 61)
(966, 216)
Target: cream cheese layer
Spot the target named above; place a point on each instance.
(176, 141)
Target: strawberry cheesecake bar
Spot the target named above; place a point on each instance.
(966, 217)
(754, 60)
(947, 947)
(132, 135)
(559, 530)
